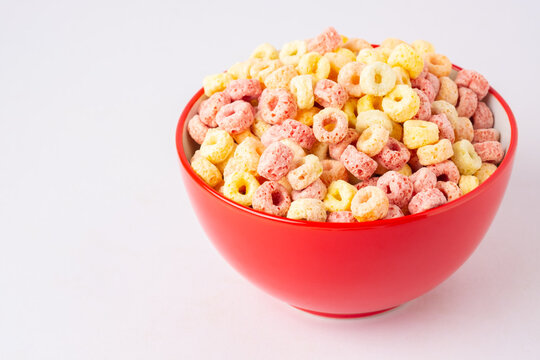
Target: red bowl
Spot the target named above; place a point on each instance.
(349, 270)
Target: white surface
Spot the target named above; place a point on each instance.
(100, 256)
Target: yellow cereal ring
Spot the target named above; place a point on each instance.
(339, 196)
(391, 43)
(465, 157)
(305, 172)
(260, 69)
(418, 133)
(468, 183)
(305, 116)
(372, 140)
(291, 52)
(314, 64)
(370, 203)
(434, 154)
(485, 171)
(405, 56)
(247, 156)
(217, 145)
(337, 60)
(423, 47)
(240, 70)
(384, 53)
(281, 77)
(443, 107)
(405, 170)
(369, 56)
(207, 171)
(401, 104)
(259, 127)
(397, 131)
(240, 187)
(369, 102)
(320, 149)
(240, 137)
(301, 87)
(222, 165)
(350, 108)
(307, 209)
(402, 76)
(216, 83)
(265, 52)
(368, 118)
(377, 79)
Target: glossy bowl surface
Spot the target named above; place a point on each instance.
(348, 270)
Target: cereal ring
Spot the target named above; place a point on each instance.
(414, 163)
(417, 133)
(433, 154)
(481, 135)
(377, 79)
(450, 190)
(317, 190)
(314, 64)
(448, 91)
(291, 52)
(298, 152)
(369, 204)
(305, 116)
(211, 106)
(443, 107)
(423, 179)
(393, 212)
(358, 163)
(394, 155)
(402, 76)
(240, 70)
(368, 118)
(397, 131)
(271, 198)
(349, 78)
(320, 149)
(446, 131)
(424, 109)
(468, 183)
(445, 171)
(425, 200)
(341, 217)
(217, 145)
(337, 60)
(330, 94)
(272, 135)
(369, 102)
(356, 45)
(372, 181)
(463, 129)
(391, 43)
(372, 140)
(247, 154)
(474, 81)
(482, 117)
(259, 126)
(466, 158)
(328, 40)
(300, 133)
(244, 89)
(330, 125)
(439, 65)
(240, 187)
(307, 209)
(216, 83)
(265, 52)
(260, 69)
(275, 162)
(426, 86)
(206, 170)
(280, 78)
(196, 129)
(405, 56)
(405, 170)
(434, 81)
(369, 56)
(302, 89)
(286, 184)
(485, 171)
(384, 53)
(276, 105)
(305, 172)
(401, 104)
(333, 170)
(489, 151)
(235, 117)
(339, 196)
(398, 188)
(468, 101)
(336, 150)
(423, 47)
(350, 109)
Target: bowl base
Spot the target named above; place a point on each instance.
(344, 316)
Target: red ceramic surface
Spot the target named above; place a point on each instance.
(347, 270)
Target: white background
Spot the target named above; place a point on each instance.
(100, 254)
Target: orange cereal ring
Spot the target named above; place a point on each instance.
(439, 65)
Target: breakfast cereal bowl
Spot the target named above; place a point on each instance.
(348, 269)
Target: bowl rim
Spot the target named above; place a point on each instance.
(505, 163)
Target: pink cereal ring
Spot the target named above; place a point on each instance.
(333, 170)
(445, 171)
(394, 155)
(398, 188)
(271, 198)
(489, 151)
(423, 179)
(329, 93)
(425, 200)
(317, 190)
(372, 181)
(277, 105)
(481, 135)
(358, 163)
(275, 161)
(467, 103)
(335, 150)
(426, 86)
(244, 89)
(341, 217)
(393, 212)
(474, 81)
(210, 107)
(272, 135)
(349, 78)
(424, 111)
(446, 131)
(482, 117)
(298, 132)
(435, 82)
(325, 118)
(329, 40)
(196, 129)
(450, 190)
(235, 117)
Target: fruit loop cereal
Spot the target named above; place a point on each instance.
(332, 129)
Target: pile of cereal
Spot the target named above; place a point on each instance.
(332, 129)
